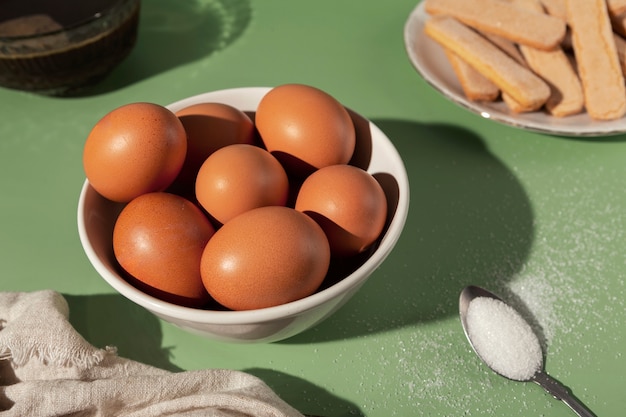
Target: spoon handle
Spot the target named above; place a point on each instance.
(560, 392)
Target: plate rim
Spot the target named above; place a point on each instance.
(413, 34)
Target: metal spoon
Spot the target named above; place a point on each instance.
(551, 385)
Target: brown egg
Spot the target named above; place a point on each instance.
(265, 257)
(209, 127)
(134, 149)
(238, 178)
(158, 239)
(348, 203)
(305, 128)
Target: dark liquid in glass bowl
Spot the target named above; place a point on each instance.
(55, 47)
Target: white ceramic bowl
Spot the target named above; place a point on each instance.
(375, 153)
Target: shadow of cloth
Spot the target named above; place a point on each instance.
(111, 320)
(310, 399)
(172, 33)
(470, 221)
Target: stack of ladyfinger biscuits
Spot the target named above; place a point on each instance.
(559, 56)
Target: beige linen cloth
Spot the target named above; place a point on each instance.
(48, 369)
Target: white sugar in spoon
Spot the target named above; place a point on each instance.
(506, 343)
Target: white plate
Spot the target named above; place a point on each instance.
(430, 61)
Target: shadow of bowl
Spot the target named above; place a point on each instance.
(112, 320)
(470, 222)
(173, 33)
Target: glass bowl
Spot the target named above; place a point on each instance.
(56, 48)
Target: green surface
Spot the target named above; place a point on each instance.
(540, 219)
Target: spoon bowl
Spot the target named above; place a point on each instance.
(500, 337)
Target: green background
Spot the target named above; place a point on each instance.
(540, 219)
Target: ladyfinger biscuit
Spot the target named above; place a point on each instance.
(620, 46)
(507, 46)
(555, 8)
(501, 18)
(512, 78)
(475, 86)
(566, 97)
(512, 50)
(558, 8)
(596, 56)
(616, 6)
(516, 107)
(618, 21)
